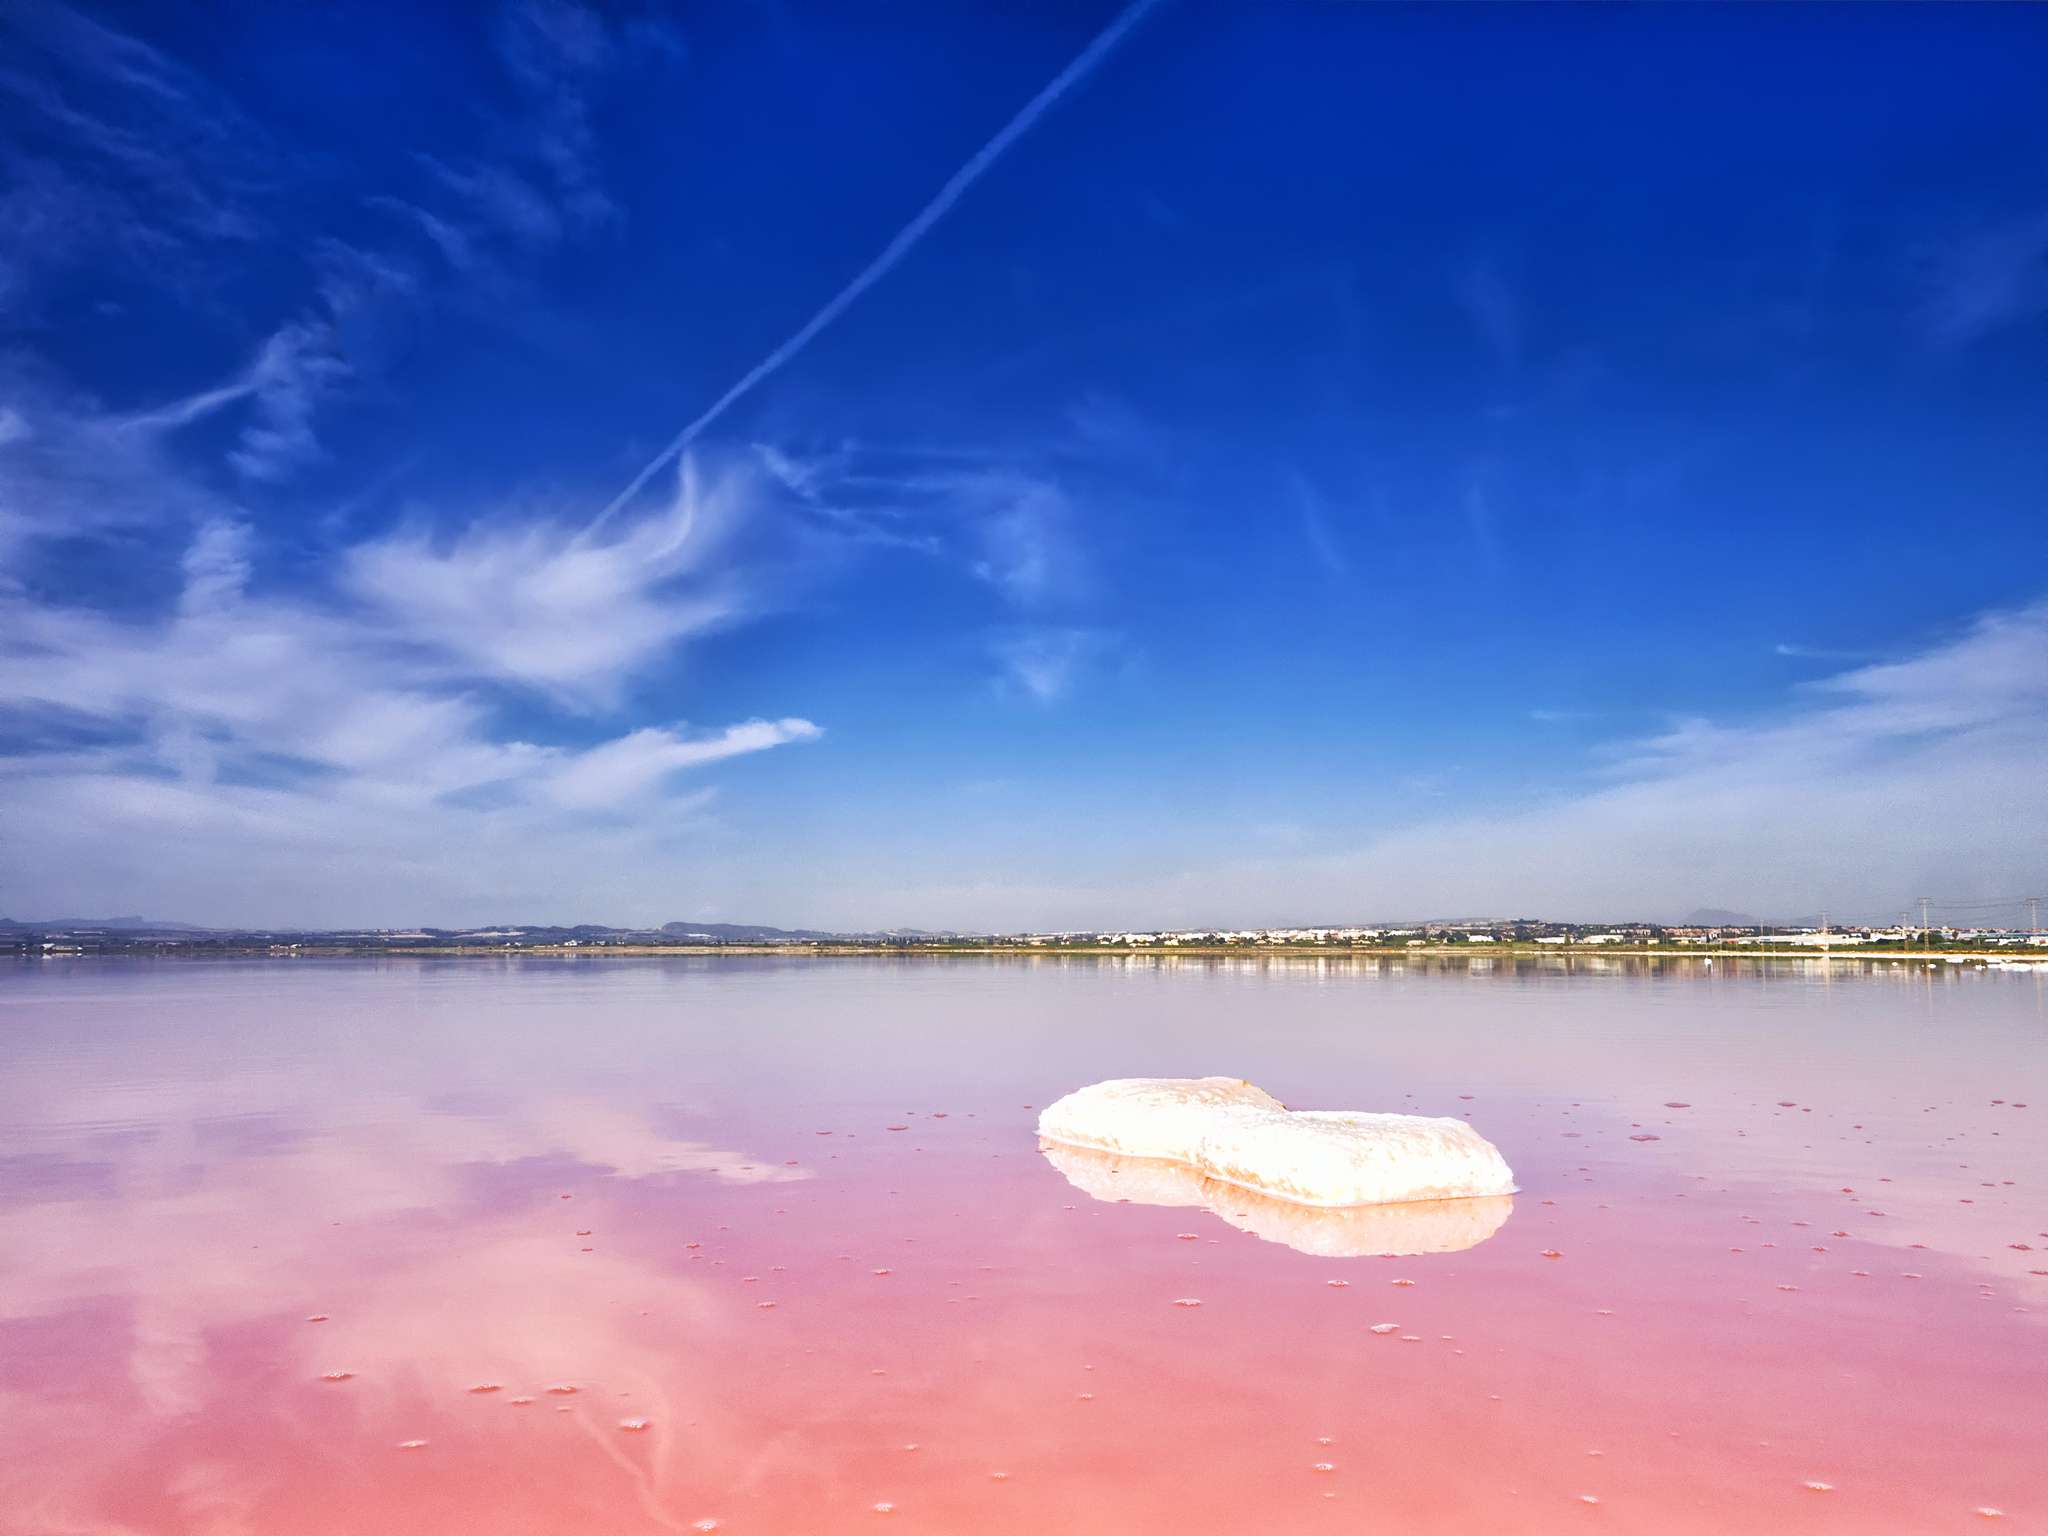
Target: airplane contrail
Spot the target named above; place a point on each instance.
(893, 252)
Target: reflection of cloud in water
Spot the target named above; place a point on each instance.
(189, 1238)
(597, 1134)
(1354, 1231)
(144, 1220)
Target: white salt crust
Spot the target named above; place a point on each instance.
(1225, 1129)
(1325, 1231)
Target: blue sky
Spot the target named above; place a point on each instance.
(1332, 463)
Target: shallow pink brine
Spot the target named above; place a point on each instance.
(755, 1245)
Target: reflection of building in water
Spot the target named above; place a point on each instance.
(1335, 1232)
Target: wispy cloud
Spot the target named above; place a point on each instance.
(625, 769)
(1006, 521)
(1850, 797)
(537, 603)
(125, 152)
(130, 158)
(1986, 279)
(847, 501)
(1107, 427)
(297, 365)
(1816, 653)
(70, 469)
(1316, 528)
(1481, 520)
(1046, 661)
(558, 52)
(1853, 794)
(498, 198)
(1024, 524)
(1495, 310)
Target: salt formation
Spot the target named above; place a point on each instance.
(1225, 1129)
(1328, 1232)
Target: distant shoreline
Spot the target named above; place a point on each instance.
(1858, 953)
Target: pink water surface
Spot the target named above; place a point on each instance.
(640, 1245)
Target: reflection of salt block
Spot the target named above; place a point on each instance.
(1140, 1180)
(1353, 1231)
(1329, 1157)
(1151, 1116)
(1423, 1226)
(1229, 1130)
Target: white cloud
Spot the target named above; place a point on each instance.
(203, 735)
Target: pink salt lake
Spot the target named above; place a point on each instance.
(561, 1246)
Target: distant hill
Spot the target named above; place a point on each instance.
(1721, 917)
(726, 933)
(112, 924)
(744, 933)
